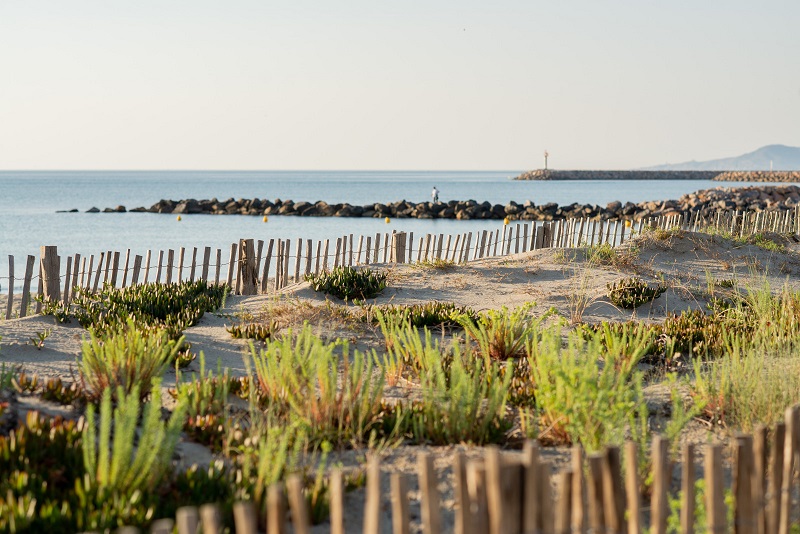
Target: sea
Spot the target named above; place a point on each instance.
(33, 205)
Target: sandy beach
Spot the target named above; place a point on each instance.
(551, 278)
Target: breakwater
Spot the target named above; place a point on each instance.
(720, 176)
(707, 201)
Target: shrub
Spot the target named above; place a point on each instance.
(299, 380)
(128, 358)
(630, 293)
(173, 307)
(348, 283)
(501, 334)
(39, 464)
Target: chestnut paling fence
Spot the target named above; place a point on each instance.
(518, 492)
(255, 266)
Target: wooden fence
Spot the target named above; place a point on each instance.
(261, 266)
(515, 493)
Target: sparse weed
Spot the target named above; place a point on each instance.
(464, 399)
(40, 337)
(437, 264)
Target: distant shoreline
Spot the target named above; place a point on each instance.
(718, 176)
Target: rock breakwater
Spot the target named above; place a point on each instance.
(707, 201)
(719, 176)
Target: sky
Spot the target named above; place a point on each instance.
(471, 85)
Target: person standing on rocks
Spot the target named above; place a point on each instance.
(435, 195)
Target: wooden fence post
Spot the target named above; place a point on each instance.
(51, 265)
(147, 259)
(564, 508)
(276, 508)
(75, 269)
(99, 271)
(476, 485)
(372, 506)
(715, 494)
(659, 504)
(187, 520)
(298, 259)
(160, 263)
(170, 263)
(632, 488)
(26, 286)
(246, 283)
(67, 280)
(429, 501)
(127, 264)
(790, 443)
(613, 494)
(267, 261)
(244, 517)
(594, 486)
(206, 263)
(743, 513)
(776, 481)
(760, 477)
(687, 489)
(10, 300)
(137, 267)
(297, 503)
(398, 247)
(462, 524)
(218, 267)
(231, 266)
(181, 255)
(337, 501)
(531, 509)
(400, 514)
(194, 264)
(210, 519)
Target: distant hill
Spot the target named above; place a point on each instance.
(783, 158)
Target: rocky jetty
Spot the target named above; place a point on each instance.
(719, 176)
(550, 174)
(757, 198)
(759, 176)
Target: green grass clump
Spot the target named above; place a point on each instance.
(580, 399)
(127, 358)
(630, 293)
(759, 377)
(112, 463)
(348, 283)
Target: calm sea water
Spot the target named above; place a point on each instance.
(29, 201)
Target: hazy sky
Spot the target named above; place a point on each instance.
(393, 85)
